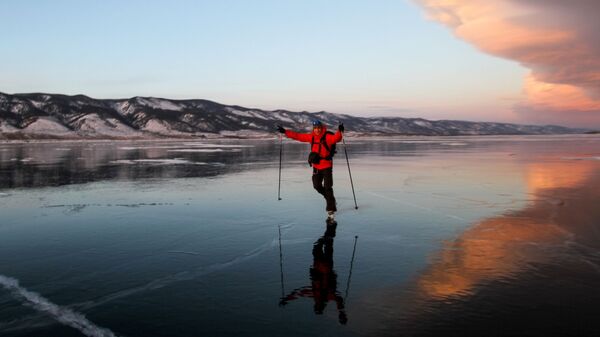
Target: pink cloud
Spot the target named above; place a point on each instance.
(559, 41)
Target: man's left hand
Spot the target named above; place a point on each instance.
(341, 127)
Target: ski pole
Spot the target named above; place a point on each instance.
(280, 155)
(281, 263)
(350, 173)
(351, 266)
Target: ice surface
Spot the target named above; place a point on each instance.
(61, 314)
(449, 239)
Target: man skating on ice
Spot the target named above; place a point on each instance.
(321, 159)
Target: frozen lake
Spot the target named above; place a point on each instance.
(469, 236)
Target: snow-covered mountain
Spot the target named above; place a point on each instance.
(39, 115)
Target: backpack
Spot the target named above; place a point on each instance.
(332, 151)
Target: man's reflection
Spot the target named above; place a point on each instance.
(323, 278)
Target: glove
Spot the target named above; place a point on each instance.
(280, 129)
(341, 127)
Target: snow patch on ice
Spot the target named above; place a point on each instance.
(176, 161)
(205, 150)
(455, 144)
(203, 145)
(246, 133)
(131, 148)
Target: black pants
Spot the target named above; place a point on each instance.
(323, 183)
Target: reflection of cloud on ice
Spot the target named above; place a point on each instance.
(488, 250)
(492, 248)
(548, 175)
(515, 251)
(63, 315)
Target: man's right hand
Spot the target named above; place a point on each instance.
(280, 129)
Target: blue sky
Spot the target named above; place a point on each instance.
(357, 57)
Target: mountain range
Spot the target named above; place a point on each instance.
(40, 115)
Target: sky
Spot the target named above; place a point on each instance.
(522, 61)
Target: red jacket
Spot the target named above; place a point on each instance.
(308, 137)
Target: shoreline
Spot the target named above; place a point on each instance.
(274, 137)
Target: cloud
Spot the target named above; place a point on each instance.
(559, 41)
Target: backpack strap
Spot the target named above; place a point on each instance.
(324, 142)
(312, 142)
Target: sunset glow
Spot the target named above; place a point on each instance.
(556, 40)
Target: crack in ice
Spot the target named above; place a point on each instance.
(61, 314)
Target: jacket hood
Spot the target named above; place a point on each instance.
(324, 130)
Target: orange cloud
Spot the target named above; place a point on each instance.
(561, 97)
(558, 40)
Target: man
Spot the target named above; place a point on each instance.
(321, 159)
